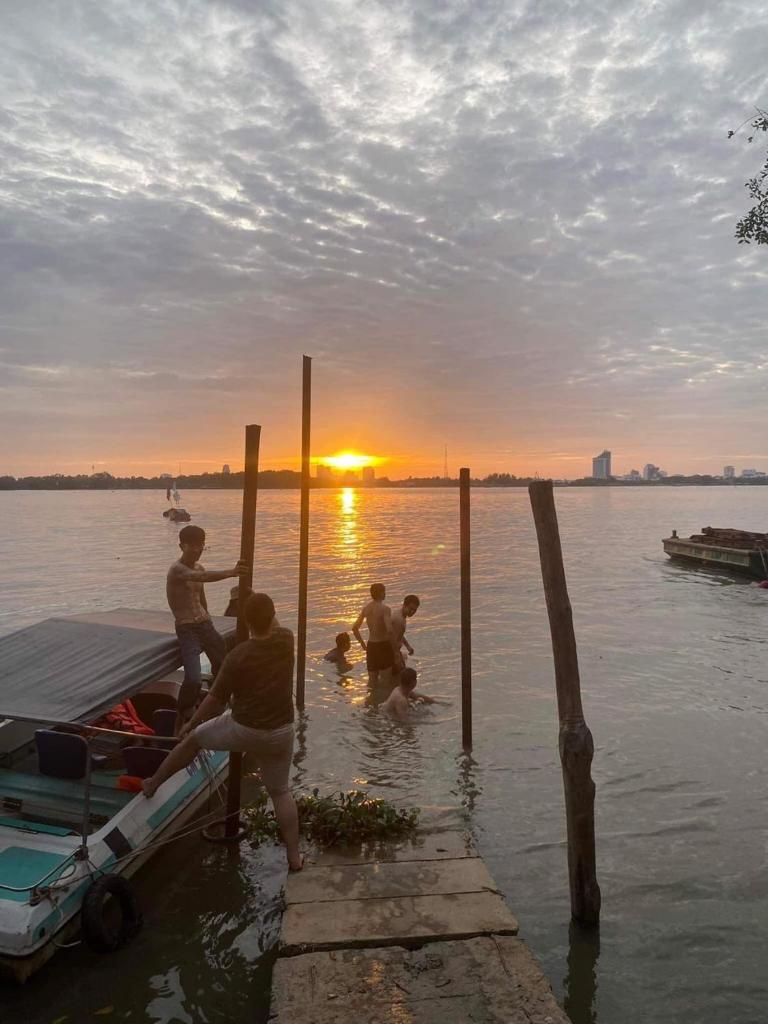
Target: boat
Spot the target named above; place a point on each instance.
(722, 547)
(70, 830)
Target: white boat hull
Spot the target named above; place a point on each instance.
(35, 922)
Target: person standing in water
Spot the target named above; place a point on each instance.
(379, 655)
(400, 618)
(185, 591)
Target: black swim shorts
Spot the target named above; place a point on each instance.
(379, 655)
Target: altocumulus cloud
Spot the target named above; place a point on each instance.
(516, 216)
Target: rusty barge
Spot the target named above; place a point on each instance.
(736, 550)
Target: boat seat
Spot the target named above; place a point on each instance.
(164, 724)
(143, 761)
(64, 755)
(60, 801)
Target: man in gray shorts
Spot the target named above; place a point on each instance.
(256, 680)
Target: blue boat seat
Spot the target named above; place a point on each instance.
(143, 761)
(64, 755)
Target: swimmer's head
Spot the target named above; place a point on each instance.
(408, 679)
(378, 591)
(343, 641)
(410, 605)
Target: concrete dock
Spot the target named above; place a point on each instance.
(414, 933)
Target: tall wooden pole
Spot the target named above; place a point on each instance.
(576, 745)
(301, 639)
(466, 612)
(247, 548)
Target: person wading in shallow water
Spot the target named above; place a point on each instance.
(379, 656)
(256, 679)
(399, 621)
(399, 701)
(185, 591)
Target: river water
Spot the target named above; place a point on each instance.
(675, 685)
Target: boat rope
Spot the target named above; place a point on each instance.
(202, 823)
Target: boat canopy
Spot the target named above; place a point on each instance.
(74, 668)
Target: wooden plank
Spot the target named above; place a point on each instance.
(370, 881)
(400, 921)
(493, 980)
(435, 846)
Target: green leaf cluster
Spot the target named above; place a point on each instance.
(344, 819)
(753, 227)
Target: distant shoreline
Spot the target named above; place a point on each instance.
(286, 479)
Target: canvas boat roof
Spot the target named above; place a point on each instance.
(74, 668)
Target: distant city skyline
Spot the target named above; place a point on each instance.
(602, 469)
(324, 471)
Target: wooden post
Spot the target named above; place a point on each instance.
(576, 745)
(466, 613)
(301, 637)
(247, 548)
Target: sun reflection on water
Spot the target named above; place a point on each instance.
(348, 520)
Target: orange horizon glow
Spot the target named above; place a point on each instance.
(348, 460)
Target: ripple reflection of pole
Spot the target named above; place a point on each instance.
(468, 785)
(576, 744)
(580, 983)
(466, 613)
(300, 751)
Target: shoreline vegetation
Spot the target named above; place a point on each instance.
(288, 479)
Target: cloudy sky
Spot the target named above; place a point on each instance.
(501, 225)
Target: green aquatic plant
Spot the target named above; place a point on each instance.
(339, 819)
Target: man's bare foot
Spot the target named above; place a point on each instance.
(148, 787)
(296, 865)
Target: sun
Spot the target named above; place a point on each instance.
(349, 460)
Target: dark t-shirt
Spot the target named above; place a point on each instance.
(257, 680)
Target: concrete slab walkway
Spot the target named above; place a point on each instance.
(414, 932)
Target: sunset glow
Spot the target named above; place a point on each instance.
(349, 460)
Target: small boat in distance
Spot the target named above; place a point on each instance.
(736, 550)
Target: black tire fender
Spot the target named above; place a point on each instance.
(97, 933)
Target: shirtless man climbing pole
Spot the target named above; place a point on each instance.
(379, 655)
(185, 591)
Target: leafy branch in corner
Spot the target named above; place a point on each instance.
(754, 226)
(342, 818)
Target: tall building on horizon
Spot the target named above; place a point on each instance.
(368, 474)
(601, 466)
(729, 472)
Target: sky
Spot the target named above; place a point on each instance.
(504, 226)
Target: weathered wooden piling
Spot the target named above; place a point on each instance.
(301, 636)
(576, 745)
(247, 549)
(466, 611)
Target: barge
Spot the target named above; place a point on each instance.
(721, 547)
